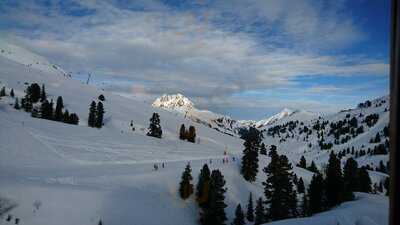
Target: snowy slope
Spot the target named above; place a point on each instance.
(81, 175)
(28, 59)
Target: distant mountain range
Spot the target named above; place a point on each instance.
(225, 124)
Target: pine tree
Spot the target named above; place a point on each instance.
(300, 186)
(12, 93)
(278, 188)
(16, 104)
(214, 214)
(23, 103)
(43, 94)
(382, 167)
(303, 163)
(334, 181)
(186, 187)
(316, 194)
(155, 127)
(313, 168)
(28, 105)
(350, 179)
(250, 209)
(260, 213)
(386, 184)
(51, 109)
(191, 135)
(99, 115)
(101, 97)
(73, 119)
(203, 186)
(263, 149)
(35, 112)
(66, 116)
(92, 115)
(305, 206)
(34, 92)
(239, 216)
(182, 132)
(45, 110)
(252, 142)
(364, 181)
(58, 114)
(3, 92)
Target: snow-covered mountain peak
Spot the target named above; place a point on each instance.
(284, 113)
(173, 102)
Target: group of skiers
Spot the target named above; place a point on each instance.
(155, 166)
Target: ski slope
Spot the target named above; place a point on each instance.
(60, 174)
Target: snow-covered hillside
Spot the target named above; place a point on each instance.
(29, 59)
(59, 173)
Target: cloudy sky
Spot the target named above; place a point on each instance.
(245, 58)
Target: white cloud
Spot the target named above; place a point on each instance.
(169, 50)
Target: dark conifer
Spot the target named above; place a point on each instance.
(313, 168)
(350, 179)
(23, 103)
(12, 93)
(45, 110)
(364, 181)
(278, 188)
(66, 117)
(214, 214)
(186, 186)
(99, 115)
(305, 206)
(101, 97)
(16, 104)
(73, 119)
(249, 168)
(250, 209)
(92, 115)
(203, 186)
(182, 132)
(3, 92)
(34, 92)
(28, 105)
(155, 127)
(263, 149)
(58, 114)
(300, 186)
(191, 134)
(43, 94)
(259, 213)
(386, 184)
(334, 181)
(316, 194)
(239, 216)
(303, 162)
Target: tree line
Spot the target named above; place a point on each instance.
(35, 95)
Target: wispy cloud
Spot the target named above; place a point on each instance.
(214, 49)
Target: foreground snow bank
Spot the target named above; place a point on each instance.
(367, 209)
